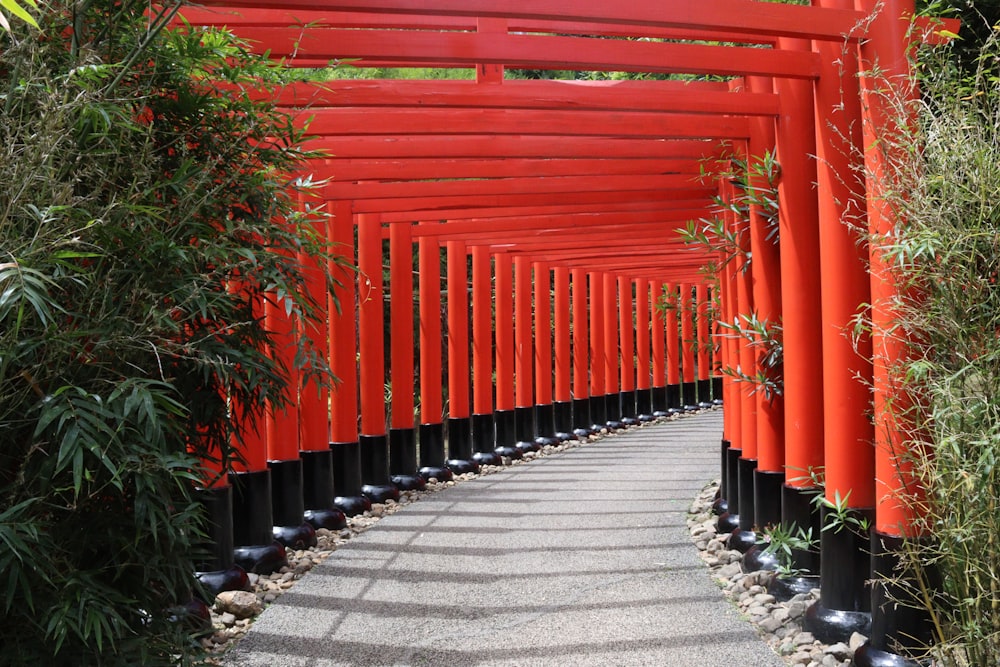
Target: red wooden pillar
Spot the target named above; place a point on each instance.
(545, 427)
(255, 550)
(658, 340)
(688, 345)
(598, 368)
(626, 334)
(766, 293)
(732, 444)
(505, 356)
(744, 538)
(800, 302)
(704, 388)
(432, 450)
(893, 625)
(314, 410)
(460, 459)
(281, 426)
(672, 334)
(483, 426)
(643, 377)
(582, 419)
(563, 404)
(376, 483)
(524, 409)
(402, 425)
(612, 361)
(849, 460)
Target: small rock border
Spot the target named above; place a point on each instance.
(235, 611)
(780, 624)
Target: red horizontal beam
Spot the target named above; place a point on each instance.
(738, 16)
(237, 17)
(474, 146)
(529, 51)
(659, 96)
(442, 204)
(360, 123)
(424, 169)
(498, 214)
(540, 225)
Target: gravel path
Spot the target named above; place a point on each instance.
(583, 557)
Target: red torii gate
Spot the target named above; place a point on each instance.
(549, 177)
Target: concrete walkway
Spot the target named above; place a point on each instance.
(579, 558)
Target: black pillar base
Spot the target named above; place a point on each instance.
(262, 558)
(689, 396)
(767, 497)
(255, 550)
(742, 540)
(460, 459)
(217, 504)
(721, 503)
(799, 511)
(613, 409)
(562, 418)
(644, 405)
(347, 478)
(717, 390)
(836, 625)
(727, 523)
(844, 606)
(582, 421)
(757, 558)
(673, 398)
(545, 425)
(524, 429)
(745, 469)
(403, 460)
(627, 401)
(431, 445)
(432, 453)
(720, 506)
(318, 491)
(704, 393)
(233, 578)
(869, 656)
(598, 414)
(733, 479)
(786, 587)
(506, 424)
(660, 402)
(376, 484)
(290, 527)
(899, 622)
(484, 440)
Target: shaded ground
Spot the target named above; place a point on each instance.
(582, 558)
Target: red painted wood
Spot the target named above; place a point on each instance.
(727, 15)
(455, 49)
(523, 324)
(401, 330)
(642, 334)
(626, 332)
(458, 331)
(314, 402)
(281, 426)
(703, 326)
(800, 282)
(543, 213)
(688, 341)
(597, 340)
(658, 335)
(659, 96)
(504, 304)
(343, 328)
(561, 322)
(612, 350)
(543, 334)
(371, 345)
(431, 378)
(672, 334)
(666, 220)
(581, 339)
(482, 331)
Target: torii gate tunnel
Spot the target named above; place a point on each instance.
(555, 296)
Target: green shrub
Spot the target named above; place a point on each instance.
(143, 220)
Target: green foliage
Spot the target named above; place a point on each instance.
(783, 541)
(145, 218)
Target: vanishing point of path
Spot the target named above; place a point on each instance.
(579, 558)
